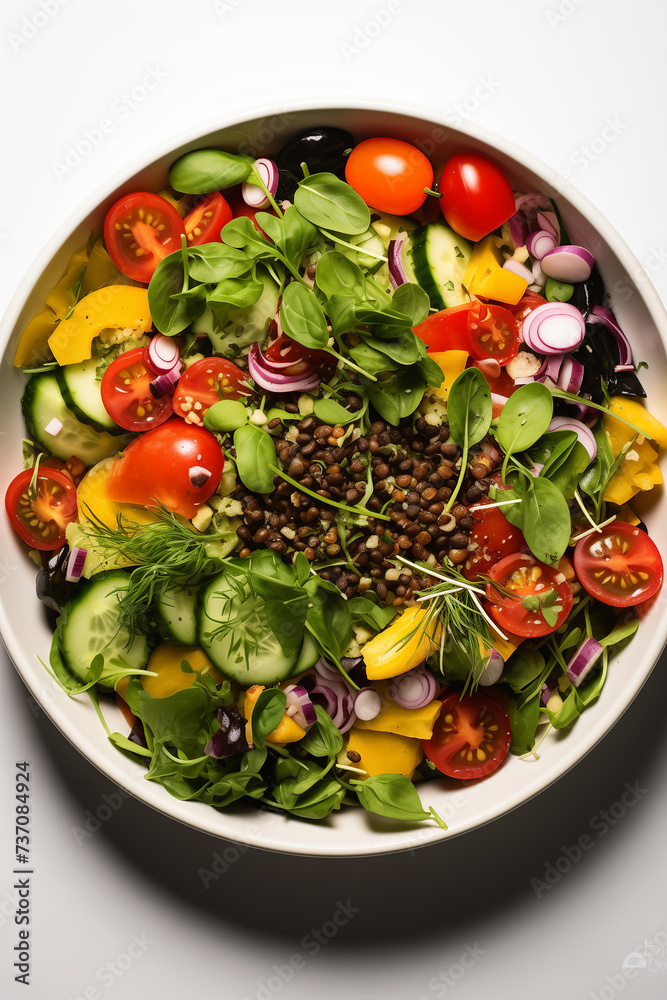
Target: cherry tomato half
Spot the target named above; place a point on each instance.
(141, 229)
(620, 565)
(483, 330)
(526, 304)
(389, 174)
(204, 383)
(476, 195)
(492, 537)
(493, 333)
(471, 736)
(175, 464)
(127, 396)
(205, 220)
(525, 576)
(41, 517)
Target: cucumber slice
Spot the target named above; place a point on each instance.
(438, 257)
(88, 625)
(81, 393)
(43, 402)
(232, 628)
(309, 654)
(176, 612)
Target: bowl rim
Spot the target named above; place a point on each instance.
(207, 819)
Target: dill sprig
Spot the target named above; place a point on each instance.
(454, 606)
(167, 553)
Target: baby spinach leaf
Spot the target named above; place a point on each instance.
(370, 358)
(239, 292)
(321, 800)
(469, 408)
(255, 452)
(331, 412)
(171, 314)
(391, 795)
(524, 716)
(212, 262)
(330, 203)
(336, 274)
(551, 451)
(544, 516)
(206, 170)
(329, 622)
(363, 609)
(323, 739)
(398, 395)
(267, 713)
(524, 418)
(567, 475)
(241, 234)
(302, 318)
(411, 300)
(404, 349)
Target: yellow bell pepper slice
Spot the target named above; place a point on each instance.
(451, 364)
(32, 347)
(416, 723)
(486, 276)
(101, 270)
(287, 730)
(638, 471)
(404, 644)
(115, 307)
(382, 753)
(61, 299)
(166, 660)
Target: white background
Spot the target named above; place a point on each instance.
(124, 912)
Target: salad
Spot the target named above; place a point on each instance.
(329, 472)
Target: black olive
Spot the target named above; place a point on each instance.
(355, 668)
(322, 149)
(51, 586)
(599, 354)
(588, 293)
(287, 185)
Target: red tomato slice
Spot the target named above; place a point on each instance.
(446, 330)
(204, 383)
(41, 517)
(526, 576)
(127, 396)
(620, 565)
(471, 736)
(493, 333)
(389, 174)
(141, 229)
(175, 464)
(476, 195)
(205, 220)
(491, 539)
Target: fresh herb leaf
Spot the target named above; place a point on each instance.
(328, 202)
(266, 714)
(255, 453)
(391, 795)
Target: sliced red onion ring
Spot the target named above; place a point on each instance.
(413, 689)
(165, 383)
(553, 328)
(583, 661)
(532, 203)
(584, 433)
(492, 670)
(568, 263)
(539, 277)
(299, 706)
(397, 274)
(548, 221)
(75, 564)
(571, 375)
(253, 194)
(550, 368)
(517, 268)
(367, 704)
(517, 229)
(540, 243)
(599, 314)
(266, 377)
(162, 354)
(338, 696)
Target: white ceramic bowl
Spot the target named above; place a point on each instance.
(351, 831)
